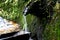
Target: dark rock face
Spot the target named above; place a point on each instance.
(11, 36)
(42, 10)
(38, 9)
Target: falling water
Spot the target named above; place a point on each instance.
(25, 28)
(24, 19)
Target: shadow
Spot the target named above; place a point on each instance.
(43, 12)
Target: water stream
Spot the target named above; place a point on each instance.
(25, 28)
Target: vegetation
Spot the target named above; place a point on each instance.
(12, 10)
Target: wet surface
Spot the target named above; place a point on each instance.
(19, 35)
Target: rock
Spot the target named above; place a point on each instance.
(7, 26)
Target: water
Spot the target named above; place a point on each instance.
(24, 19)
(25, 28)
(25, 10)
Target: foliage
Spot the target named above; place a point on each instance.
(12, 10)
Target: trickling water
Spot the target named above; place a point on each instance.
(25, 28)
(24, 20)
